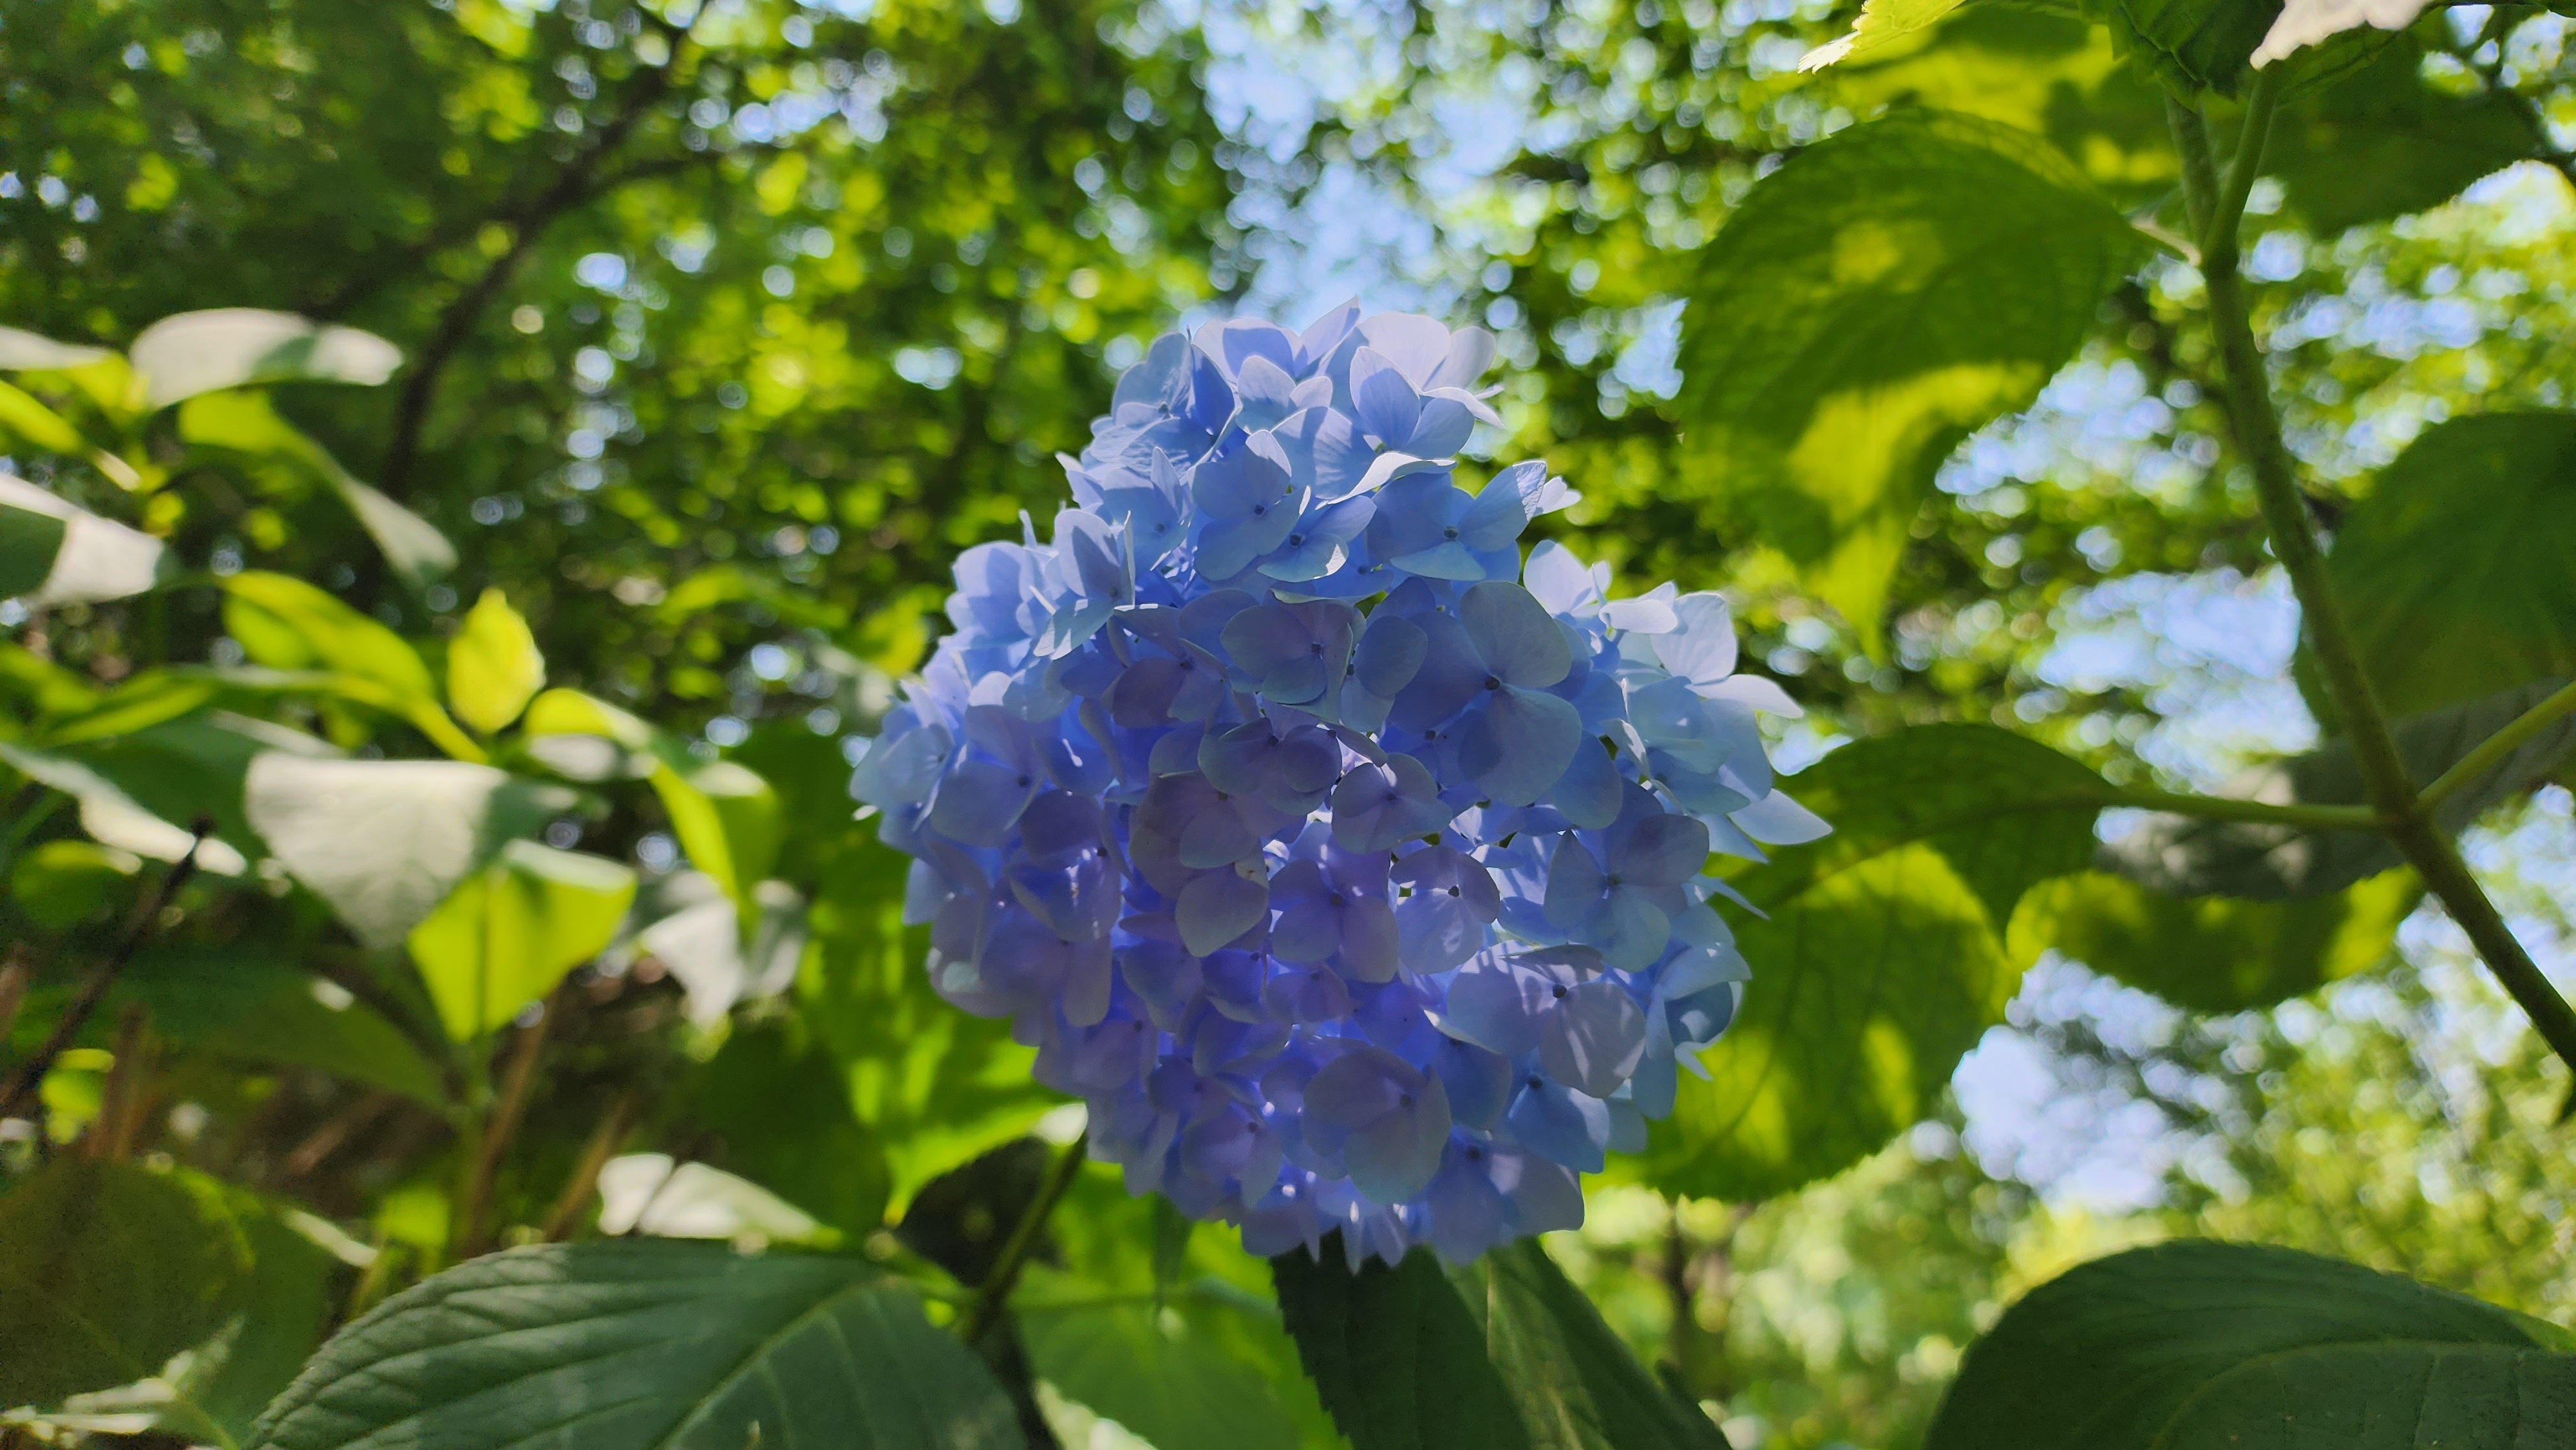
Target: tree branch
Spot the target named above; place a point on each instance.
(2294, 543)
(475, 1213)
(22, 1083)
(575, 184)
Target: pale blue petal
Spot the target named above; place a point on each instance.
(1390, 653)
(1369, 942)
(1394, 1158)
(1588, 792)
(1661, 850)
(979, 801)
(1702, 648)
(1219, 906)
(1776, 820)
(1496, 1007)
(1443, 427)
(1385, 404)
(1575, 882)
(1561, 1125)
(1518, 746)
(1593, 1039)
(1520, 642)
(1416, 345)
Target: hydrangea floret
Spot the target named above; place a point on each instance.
(1349, 865)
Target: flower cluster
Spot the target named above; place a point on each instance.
(1347, 865)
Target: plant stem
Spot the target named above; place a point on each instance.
(2226, 808)
(22, 1083)
(996, 1288)
(2257, 427)
(584, 1183)
(516, 1077)
(2492, 751)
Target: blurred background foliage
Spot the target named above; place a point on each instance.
(726, 331)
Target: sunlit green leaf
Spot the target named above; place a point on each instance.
(1575, 1385)
(1881, 960)
(509, 933)
(25, 419)
(726, 818)
(91, 559)
(63, 883)
(2192, 1345)
(288, 624)
(648, 1343)
(493, 667)
(1157, 1378)
(385, 841)
(23, 351)
(229, 347)
(2213, 953)
(1871, 302)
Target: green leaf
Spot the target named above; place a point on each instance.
(245, 423)
(661, 1344)
(934, 1085)
(114, 818)
(31, 422)
(2388, 1397)
(61, 884)
(506, 936)
(772, 1106)
(2054, 75)
(229, 347)
(2379, 142)
(1395, 1355)
(181, 769)
(2453, 568)
(1162, 1381)
(2213, 953)
(108, 1270)
(22, 351)
(1573, 1381)
(2191, 1345)
(275, 1316)
(493, 666)
(727, 818)
(1868, 305)
(287, 624)
(85, 558)
(1881, 960)
(2194, 45)
(240, 1005)
(385, 841)
(2188, 856)
(1883, 26)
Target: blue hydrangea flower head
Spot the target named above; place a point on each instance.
(1348, 861)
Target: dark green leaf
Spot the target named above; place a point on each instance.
(1394, 1353)
(1867, 306)
(1167, 1384)
(238, 1005)
(2186, 856)
(644, 1343)
(2136, 1350)
(2213, 953)
(2386, 1397)
(1881, 961)
(2379, 142)
(774, 1109)
(28, 543)
(961, 1218)
(2453, 570)
(63, 883)
(108, 1269)
(1575, 1384)
(2194, 45)
(274, 1318)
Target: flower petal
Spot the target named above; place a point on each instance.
(1518, 639)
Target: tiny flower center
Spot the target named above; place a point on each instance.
(1493, 682)
(1450, 532)
(1294, 540)
(1560, 994)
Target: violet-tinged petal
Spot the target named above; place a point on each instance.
(1385, 404)
(1561, 1125)
(1218, 906)
(1593, 1038)
(1519, 744)
(1519, 641)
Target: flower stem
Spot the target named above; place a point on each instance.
(996, 1288)
(2246, 389)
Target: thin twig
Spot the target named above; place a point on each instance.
(584, 1183)
(2294, 542)
(2492, 751)
(517, 1075)
(325, 1140)
(120, 1100)
(995, 1291)
(2226, 808)
(13, 988)
(23, 1082)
